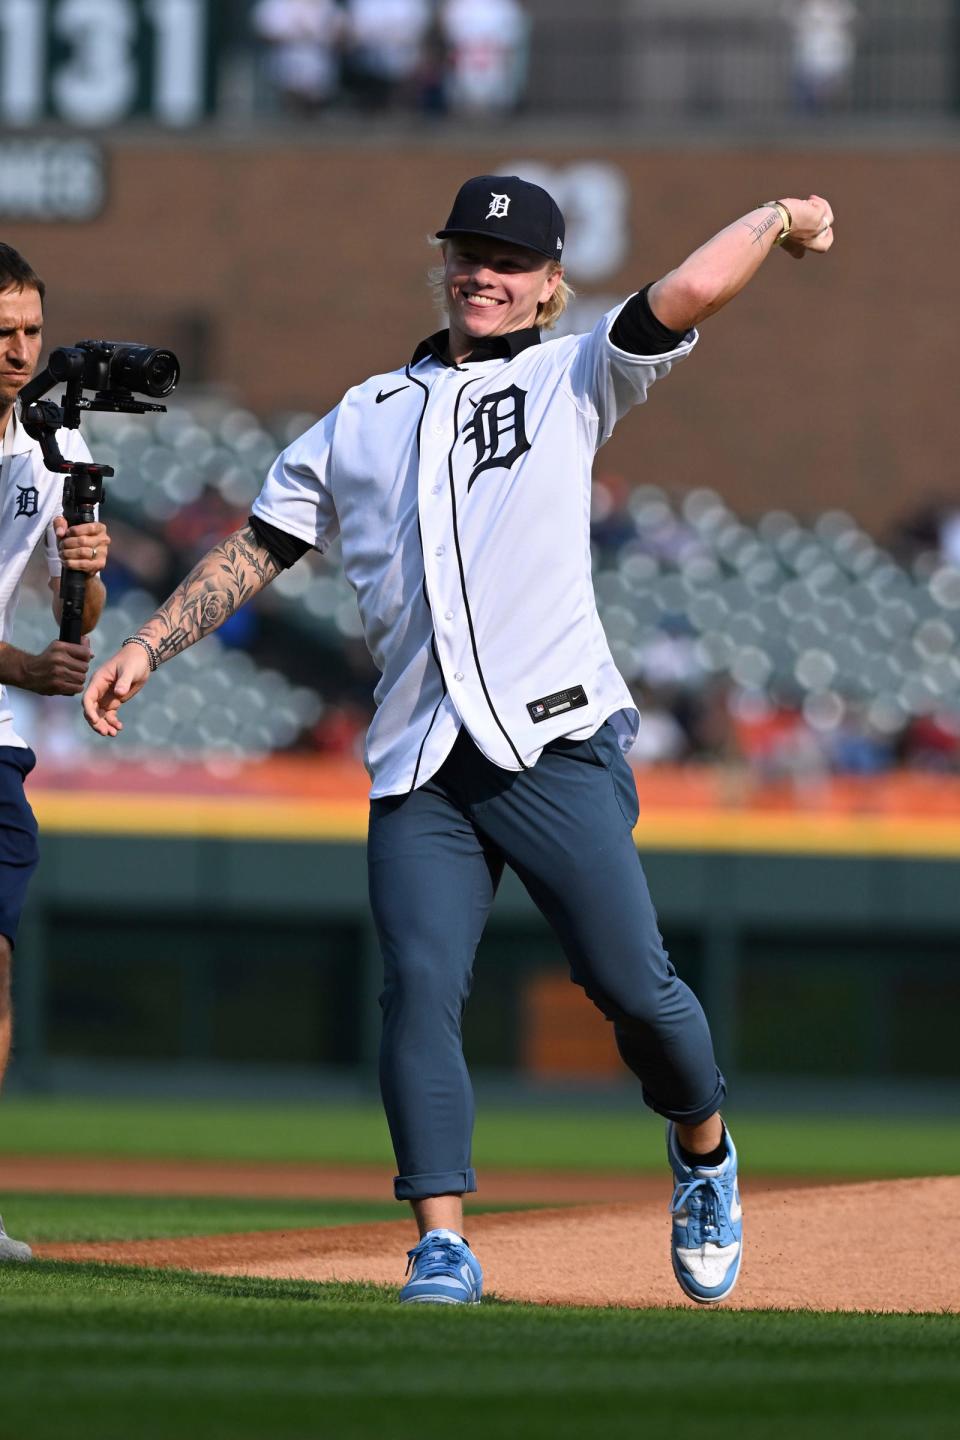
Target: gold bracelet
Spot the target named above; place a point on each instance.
(786, 219)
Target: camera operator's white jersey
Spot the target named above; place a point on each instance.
(462, 497)
(31, 496)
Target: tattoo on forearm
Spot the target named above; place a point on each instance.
(232, 573)
(173, 643)
(758, 231)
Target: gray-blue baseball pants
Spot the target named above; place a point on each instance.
(435, 858)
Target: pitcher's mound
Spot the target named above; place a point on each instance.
(885, 1246)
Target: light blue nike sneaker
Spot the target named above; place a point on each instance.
(706, 1244)
(443, 1270)
(13, 1249)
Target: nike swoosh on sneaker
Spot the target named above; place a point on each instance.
(385, 394)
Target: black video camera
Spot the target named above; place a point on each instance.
(116, 371)
(115, 368)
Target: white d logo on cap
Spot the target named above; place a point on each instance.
(499, 205)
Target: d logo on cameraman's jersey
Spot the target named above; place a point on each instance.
(28, 500)
(497, 431)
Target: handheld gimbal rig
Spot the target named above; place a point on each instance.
(116, 371)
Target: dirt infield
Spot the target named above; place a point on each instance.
(880, 1246)
(85, 1176)
(301, 1181)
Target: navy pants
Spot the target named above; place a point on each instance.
(19, 850)
(435, 858)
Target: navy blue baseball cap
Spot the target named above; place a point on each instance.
(507, 208)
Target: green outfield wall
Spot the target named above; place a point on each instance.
(252, 957)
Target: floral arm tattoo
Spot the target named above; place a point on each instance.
(227, 577)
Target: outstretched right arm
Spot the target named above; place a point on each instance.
(716, 272)
(229, 575)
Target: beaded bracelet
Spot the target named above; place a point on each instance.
(152, 655)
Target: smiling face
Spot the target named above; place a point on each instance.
(21, 336)
(492, 288)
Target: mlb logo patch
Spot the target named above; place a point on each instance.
(549, 705)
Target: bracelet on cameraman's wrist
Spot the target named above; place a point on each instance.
(153, 657)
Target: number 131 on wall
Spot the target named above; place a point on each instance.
(100, 62)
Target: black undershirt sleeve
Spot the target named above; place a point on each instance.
(638, 331)
(285, 549)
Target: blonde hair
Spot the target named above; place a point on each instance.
(547, 314)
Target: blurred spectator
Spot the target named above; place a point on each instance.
(669, 658)
(824, 50)
(303, 39)
(932, 742)
(432, 82)
(707, 720)
(928, 533)
(204, 522)
(487, 63)
(950, 536)
(661, 739)
(385, 44)
(855, 747)
(771, 735)
(137, 560)
(917, 532)
(341, 730)
(611, 521)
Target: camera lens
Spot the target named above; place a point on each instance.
(144, 370)
(160, 373)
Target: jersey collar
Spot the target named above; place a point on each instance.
(492, 347)
(16, 441)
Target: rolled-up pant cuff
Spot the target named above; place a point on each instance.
(690, 1117)
(442, 1182)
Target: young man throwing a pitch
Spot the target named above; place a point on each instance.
(460, 487)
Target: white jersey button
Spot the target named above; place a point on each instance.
(440, 550)
(459, 675)
(434, 489)
(448, 615)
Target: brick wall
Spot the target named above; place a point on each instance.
(288, 272)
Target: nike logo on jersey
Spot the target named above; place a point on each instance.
(385, 394)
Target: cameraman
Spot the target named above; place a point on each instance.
(31, 501)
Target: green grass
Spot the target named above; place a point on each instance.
(139, 1217)
(108, 1353)
(68, 1218)
(585, 1139)
(100, 1353)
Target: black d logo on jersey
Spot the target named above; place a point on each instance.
(28, 500)
(497, 431)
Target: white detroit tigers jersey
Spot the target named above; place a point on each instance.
(462, 497)
(31, 496)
